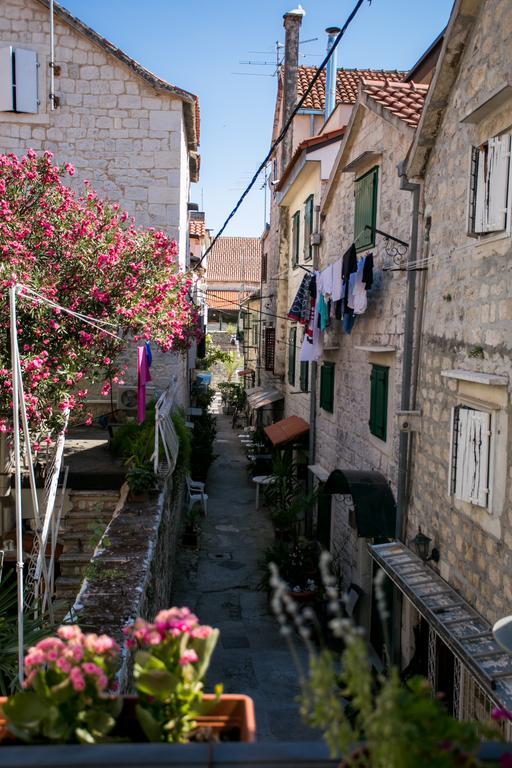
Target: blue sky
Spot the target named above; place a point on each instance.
(198, 46)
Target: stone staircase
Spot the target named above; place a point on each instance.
(82, 527)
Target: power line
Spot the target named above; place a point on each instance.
(285, 128)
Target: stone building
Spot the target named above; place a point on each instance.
(132, 134)
(459, 511)
(233, 273)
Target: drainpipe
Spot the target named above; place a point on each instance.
(308, 523)
(331, 72)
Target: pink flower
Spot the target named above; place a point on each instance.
(189, 657)
(77, 679)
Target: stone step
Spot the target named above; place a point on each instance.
(68, 587)
(74, 563)
(80, 523)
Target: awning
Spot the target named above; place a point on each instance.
(286, 430)
(458, 624)
(374, 503)
(259, 397)
(246, 372)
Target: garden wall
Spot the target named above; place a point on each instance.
(132, 568)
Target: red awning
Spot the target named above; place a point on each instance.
(286, 430)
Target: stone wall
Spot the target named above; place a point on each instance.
(467, 326)
(132, 569)
(118, 131)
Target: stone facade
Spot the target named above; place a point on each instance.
(124, 134)
(467, 326)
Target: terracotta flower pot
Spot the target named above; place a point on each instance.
(231, 719)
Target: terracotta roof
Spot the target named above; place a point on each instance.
(286, 430)
(347, 84)
(196, 229)
(235, 260)
(225, 299)
(404, 100)
(190, 100)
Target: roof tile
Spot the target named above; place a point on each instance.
(225, 299)
(196, 229)
(404, 100)
(347, 84)
(235, 260)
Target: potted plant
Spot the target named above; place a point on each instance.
(67, 694)
(140, 480)
(191, 529)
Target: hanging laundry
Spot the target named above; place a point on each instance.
(357, 299)
(326, 281)
(143, 376)
(312, 345)
(348, 266)
(336, 280)
(368, 271)
(348, 320)
(299, 311)
(149, 354)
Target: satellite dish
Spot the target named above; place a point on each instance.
(502, 632)
(129, 398)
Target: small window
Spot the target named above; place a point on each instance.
(295, 238)
(304, 376)
(327, 387)
(308, 228)
(292, 355)
(18, 80)
(489, 204)
(378, 422)
(365, 194)
(270, 348)
(470, 455)
(264, 261)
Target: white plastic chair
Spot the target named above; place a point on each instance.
(196, 494)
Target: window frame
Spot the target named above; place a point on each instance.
(485, 235)
(374, 172)
(295, 239)
(309, 207)
(292, 354)
(380, 432)
(329, 404)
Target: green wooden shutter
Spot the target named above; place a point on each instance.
(327, 387)
(292, 339)
(379, 401)
(308, 228)
(366, 209)
(304, 376)
(295, 238)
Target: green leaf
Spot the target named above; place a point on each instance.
(55, 726)
(146, 660)
(99, 722)
(83, 736)
(61, 692)
(156, 682)
(25, 709)
(148, 723)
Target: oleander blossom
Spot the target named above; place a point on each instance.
(87, 255)
(86, 662)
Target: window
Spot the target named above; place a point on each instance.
(470, 455)
(295, 238)
(366, 209)
(304, 376)
(264, 260)
(489, 201)
(18, 80)
(270, 346)
(379, 401)
(327, 387)
(292, 355)
(308, 228)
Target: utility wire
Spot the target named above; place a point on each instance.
(285, 128)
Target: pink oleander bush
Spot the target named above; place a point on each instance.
(66, 689)
(86, 255)
(69, 688)
(172, 657)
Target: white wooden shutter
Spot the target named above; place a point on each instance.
(25, 74)
(6, 80)
(498, 178)
(481, 192)
(472, 469)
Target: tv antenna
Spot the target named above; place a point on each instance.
(278, 48)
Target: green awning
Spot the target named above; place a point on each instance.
(374, 503)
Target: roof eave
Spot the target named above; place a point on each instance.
(459, 27)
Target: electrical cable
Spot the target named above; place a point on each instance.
(285, 128)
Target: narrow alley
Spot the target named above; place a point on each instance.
(219, 582)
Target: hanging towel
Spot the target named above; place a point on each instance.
(300, 306)
(327, 283)
(336, 280)
(349, 265)
(149, 354)
(323, 312)
(312, 345)
(368, 271)
(143, 376)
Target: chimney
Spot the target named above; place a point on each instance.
(292, 24)
(331, 72)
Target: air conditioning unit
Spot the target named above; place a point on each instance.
(126, 396)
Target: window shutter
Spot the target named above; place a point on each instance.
(327, 387)
(292, 340)
(304, 376)
(308, 228)
(295, 238)
(365, 209)
(25, 68)
(270, 346)
(498, 177)
(379, 401)
(264, 260)
(472, 462)
(6, 80)
(481, 191)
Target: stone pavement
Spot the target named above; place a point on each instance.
(219, 583)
